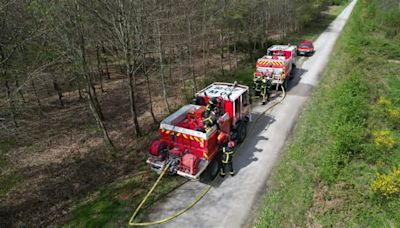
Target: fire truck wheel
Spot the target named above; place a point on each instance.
(293, 72)
(211, 172)
(286, 83)
(241, 131)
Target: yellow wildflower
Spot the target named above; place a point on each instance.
(384, 138)
(383, 101)
(387, 184)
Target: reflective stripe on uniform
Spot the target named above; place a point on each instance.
(226, 159)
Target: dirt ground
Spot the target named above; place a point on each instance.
(56, 160)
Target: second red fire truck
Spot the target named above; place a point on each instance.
(274, 69)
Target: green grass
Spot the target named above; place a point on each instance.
(245, 75)
(113, 205)
(8, 182)
(325, 175)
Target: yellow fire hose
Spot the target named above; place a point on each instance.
(273, 105)
(196, 200)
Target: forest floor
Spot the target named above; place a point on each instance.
(51, 162)
(55, 170)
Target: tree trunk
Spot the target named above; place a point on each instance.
(11, 104)
(221, 43)
(149, 93)
(133, 104)
(79, 88)
(21, 94)
(96, 100)
(191, 67)
(127, 48)
(57, 88)
(161, 58)
(103, 51)
(37, 98)
(183, 73)
(95, 109)
(235, 52)
(170, 56)
(96, 113)
(203, 40)
(99, 68)
(229, 54)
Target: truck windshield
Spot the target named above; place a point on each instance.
(304, 45)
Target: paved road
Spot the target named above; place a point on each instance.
(230, 203)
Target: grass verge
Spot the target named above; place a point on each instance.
(342, 166)
(113, 205)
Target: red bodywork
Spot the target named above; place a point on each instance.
(277, 64)
(183, 135)
(305, 47)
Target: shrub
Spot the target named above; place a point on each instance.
(387, 184)
(394, 116)
(382, 101)
(384, 138)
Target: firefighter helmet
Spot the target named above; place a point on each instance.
(231, 144)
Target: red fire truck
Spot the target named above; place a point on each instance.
(277, 66)
(185, 145)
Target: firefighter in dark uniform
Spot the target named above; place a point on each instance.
(262, 87)
(227, 158)
(212, 113)
(209, 121)
(214, 106)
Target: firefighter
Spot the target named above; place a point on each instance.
(265, 86)
(214, 105)
(262, 87)
(209, 121)
(213, 113)
(227, 157)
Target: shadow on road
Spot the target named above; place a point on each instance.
(246, 153)
(294, 81)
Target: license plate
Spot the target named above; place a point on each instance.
(302, 53)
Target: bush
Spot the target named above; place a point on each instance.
(394, 117)
(387, 184)
(384, 102)
(338, 2)
(384, 138)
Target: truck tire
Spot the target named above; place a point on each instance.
(293, 72)
(241, 131)
(211, 171)
(285, 84)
